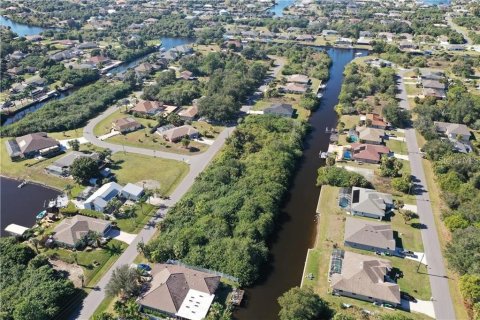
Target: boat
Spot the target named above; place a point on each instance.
(322, 86)
(319, 95)
(358, 54)
(21, 185)
(323, 155)
(41, 214)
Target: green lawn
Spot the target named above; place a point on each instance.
(104, 257)
(134, 225)
(350, 120)
(134, 168)
(105, 126)
(330, 233)
(396, 146)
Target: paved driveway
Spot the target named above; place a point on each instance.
(65, 142)
(121, 236)
(424, 307)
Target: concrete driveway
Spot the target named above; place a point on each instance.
(421, 306)
(401, 156)
(369, 174)
(109, 135)
(65, 142)
(121, 236)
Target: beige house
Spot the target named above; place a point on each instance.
(371, 135)
(147, 107)
(72, 230)
(125, 125)
(178, 133)
(455, 131)
(181, 292)
(369, 235)
(189, 113)
(365, 278)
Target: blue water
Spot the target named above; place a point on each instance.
(347, 155)
(437, 2)
(353, 138)
(277, 9)
(343, 202)
(20, 28)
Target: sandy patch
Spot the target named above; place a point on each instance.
(73, 271)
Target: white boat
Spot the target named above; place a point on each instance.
(21, 185)
(319, 95)
(358, 54)
(322, 86)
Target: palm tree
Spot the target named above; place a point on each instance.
(68, 189)
(35, 242)
(95, 237)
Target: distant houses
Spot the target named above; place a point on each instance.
(147, 107)
(178, 133)
(280, 109)
(363, 277)
(189, 113)
(371, 135)
(61, 167)
(32, 145)
(368, 153)
(179, 292)
(453, 130)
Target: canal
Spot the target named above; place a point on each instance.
(20, 206)
(19, 28)
(297, 227)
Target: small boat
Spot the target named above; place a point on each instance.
(323, 155)
(162, 49)
(21, 185)
(319, 95)
(358, 54)
(41, 214)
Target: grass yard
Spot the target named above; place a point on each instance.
(105, 126)
(293, 99)
(64, 135)
(104, 257)
(134, 168)
(134, 225)
(330, 233)
(350, 121)
(397, 146)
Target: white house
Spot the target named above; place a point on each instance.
(99, 199)
(132, 192)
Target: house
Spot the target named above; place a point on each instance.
(189, 114)
(186, 75)
(179, 292)
(375, 121)
(127, 124)
(132, 192)
(32, 145)
(71, 231)
(178, 133)
(147, 107)
(61, 167)
(407, 45)
(344, 41)
(98, 60)
(329, 32)
(434, 84)
(305, 37)
(87, 45)
(454, 131)
(35, 81)
(435, 93)
(99, 199)
(280, 109)
(371, 135)
(143, 69)
(370, 203)
(369, 235)
(368, 153)
(298, 78)
(294, 88)
(363, 277)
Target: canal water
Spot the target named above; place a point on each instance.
(279, 5)
(297, 226)
(20, 206)
(20, 28)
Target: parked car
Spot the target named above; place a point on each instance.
(409, 253)
(144, 267)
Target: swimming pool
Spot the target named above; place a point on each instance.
(353, 138)
(343, 202)
(347, 155)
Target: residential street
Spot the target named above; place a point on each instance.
(442, 301)
(457, 28)
(197, 164)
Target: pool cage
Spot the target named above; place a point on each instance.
(345, 198)
(336, 261)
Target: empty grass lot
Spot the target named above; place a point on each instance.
(330, 233)
(133, 168)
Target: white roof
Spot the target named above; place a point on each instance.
(132, 189)
(105, 191)
(195, 305)
(16, 229)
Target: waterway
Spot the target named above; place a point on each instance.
(20, 28)
(20, 206)
(279, 5)
(297, 226)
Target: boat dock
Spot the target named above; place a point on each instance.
(237, 297)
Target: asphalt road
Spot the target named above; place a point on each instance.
(197, 164)
(457, 28)
(442, 301)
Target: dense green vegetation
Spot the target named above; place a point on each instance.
(71, 112)
(303, 304)
(340, 177)
(29, 287)
(225, 219)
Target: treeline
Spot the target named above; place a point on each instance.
(231, 80)
(29, 287)
(303, 60)
(225, 219)
(276, 24)
(430, 21)
(70, 112)
(460, 106)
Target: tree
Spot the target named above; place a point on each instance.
(396, 116)
(186, 142)
(104, 316)
(34, 242)
(124, 282)
(95, 237)
(74, 144)
(219, 312)
(343, 316)
(403, 184)
(340, 177)
(218, 107)
(437, 149)
(407, 215)
(462, 251)
(128, 310)
(456, 221)
(390, 166)
(302, 304)
(470, 287)
(83, 169)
